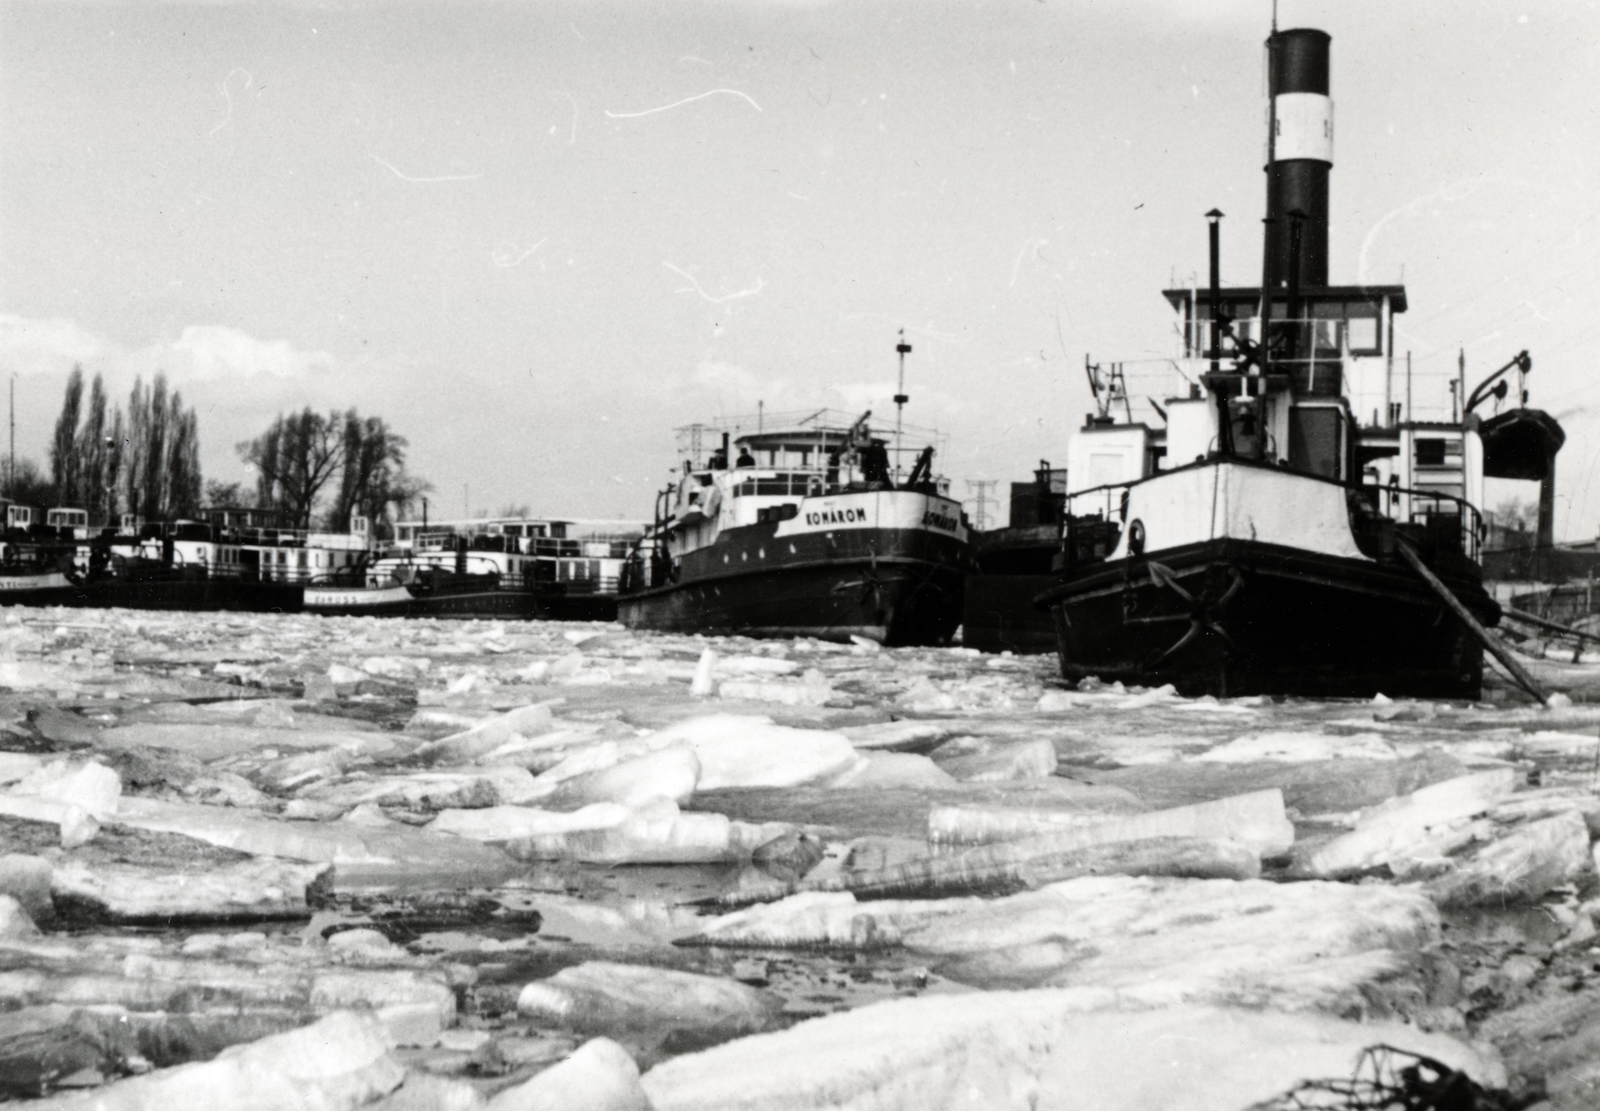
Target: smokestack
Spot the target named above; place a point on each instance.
(1300, 154)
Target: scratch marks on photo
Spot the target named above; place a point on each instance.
(680, 103)
(423, 180)
(573, 136)
(1027, 245)
(508, 254)
(688, 277)
(228, 97)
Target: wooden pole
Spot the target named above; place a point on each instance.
(1488, 639)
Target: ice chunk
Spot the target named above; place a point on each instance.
(1389, 830)
(599, 1076)
(1256, 820)
(743, 751)
(432, 790)
(898, 736)
(904, 811)
(818, 919)
(788, 856)
(249, 891)
(988, 762)
(670, 772)
(1314, 787)
(27, 879)
(15, 922)
(1338, 948)
(1521, 866)
(359, 854)
(487, 735)
(704, 683)
(216, 741)
(17, 765)
(91, 786)
(1011, 1051)
(628, 1000)
(655, 833)
(339, 1062)
(508, 823)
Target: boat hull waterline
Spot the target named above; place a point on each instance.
(891, 601)
(892, 585)
(1234, 617)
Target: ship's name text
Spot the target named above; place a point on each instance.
(836, 517)
(944, 521)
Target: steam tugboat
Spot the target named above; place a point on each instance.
(811, 530)
(1264, 540)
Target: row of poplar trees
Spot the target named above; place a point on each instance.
(313, 468)
(145, 460)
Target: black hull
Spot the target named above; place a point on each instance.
(198, 593)
(576, 607)
(1236, 617)
(904, 604)
(894, 586)
(998, 614)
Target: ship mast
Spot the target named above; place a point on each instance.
(900, 399)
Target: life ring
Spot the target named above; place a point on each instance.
(1136, 537)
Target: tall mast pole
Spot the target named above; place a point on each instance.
(900, 399)
(11, 476)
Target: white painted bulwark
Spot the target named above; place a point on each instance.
(347, 597)
(49, 581)
(1305, 127)
(1230, 500)
(885, 509)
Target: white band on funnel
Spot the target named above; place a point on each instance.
(1305, 127)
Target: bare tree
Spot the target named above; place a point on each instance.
(294, 459)
(26, 483)
(372, 472)
(225, 493)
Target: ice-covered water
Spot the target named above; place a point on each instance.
(331, 727)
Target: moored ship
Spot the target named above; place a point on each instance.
(1262, 539)
(803, 525)
(43, 563)
(1013, 563)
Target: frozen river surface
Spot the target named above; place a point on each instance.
(291, 861)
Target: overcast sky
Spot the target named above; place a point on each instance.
(538, 237)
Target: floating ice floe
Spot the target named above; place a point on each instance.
(1011, 1051)
(1391, 829)
(744, 751)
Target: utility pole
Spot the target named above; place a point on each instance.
(980, 516)
(11, 475)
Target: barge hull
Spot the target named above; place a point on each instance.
(892, 602)
(1234, 617)
(998, 614)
